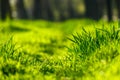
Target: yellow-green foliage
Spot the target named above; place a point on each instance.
(70, 50)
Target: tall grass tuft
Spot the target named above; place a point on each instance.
(86, 43)
(91, 50)
(8, 49)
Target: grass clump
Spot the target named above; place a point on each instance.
(87, 42)
(92, 52)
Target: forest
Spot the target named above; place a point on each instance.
(59, 39)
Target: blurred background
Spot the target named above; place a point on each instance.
(60, 10)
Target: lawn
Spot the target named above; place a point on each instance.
(70, 50)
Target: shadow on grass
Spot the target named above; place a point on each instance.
(18, 29)
(13, 29)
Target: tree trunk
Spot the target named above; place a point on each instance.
(118, 7)
(71, 9)
(5, 9)
(42, 10)
(94, 9)
(49, 10)
(0, 9)
(36, 9)
(21, 11)
(63, 10)
(109, 10)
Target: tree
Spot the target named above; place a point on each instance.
(36, 9)
(21, 11)
(59, 4)
(47, 12)
(94, 9)
(5, 9)
(109, 9)
(42, 10)
(62, 9)
(70, 9)
(118, 7)
(0, 9)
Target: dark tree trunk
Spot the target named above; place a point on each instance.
(109, 9)
(0, 9)
(62, 9)
(49, 10)
(5, 9)
(46, 10)
(118, 7)
(94, 9)
(71, 9)
(21, 11)
(36, 9)
(42, 10)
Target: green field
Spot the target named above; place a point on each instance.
(69, 50)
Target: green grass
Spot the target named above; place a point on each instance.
(70, 50)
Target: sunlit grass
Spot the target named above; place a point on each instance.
(69, 50)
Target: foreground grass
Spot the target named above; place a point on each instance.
(71, 50)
